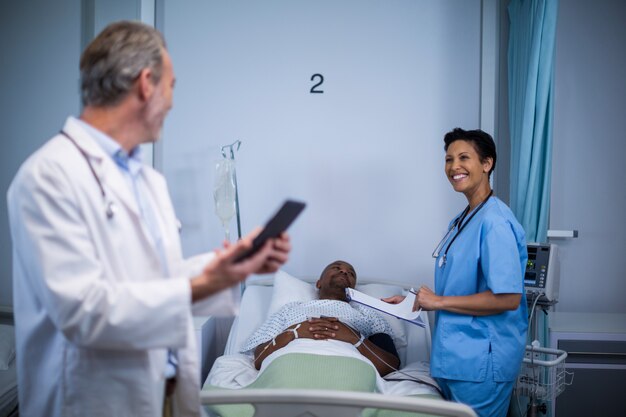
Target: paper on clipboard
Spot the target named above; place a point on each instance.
(403, 311)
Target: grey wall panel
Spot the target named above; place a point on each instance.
(40, 46)
(589, 147)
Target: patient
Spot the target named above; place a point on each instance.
(348, 349)
(330, 317)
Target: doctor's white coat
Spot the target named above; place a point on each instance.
(94, 314)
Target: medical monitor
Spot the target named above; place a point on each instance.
(542, 272)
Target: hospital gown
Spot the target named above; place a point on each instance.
(363, 319)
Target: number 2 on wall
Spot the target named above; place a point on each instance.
(321, 80)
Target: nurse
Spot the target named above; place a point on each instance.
(480, 331)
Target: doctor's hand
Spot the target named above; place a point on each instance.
(223, 272)
(278, 255)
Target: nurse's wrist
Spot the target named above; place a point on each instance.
(441, 303)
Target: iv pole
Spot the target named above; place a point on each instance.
(228, 152)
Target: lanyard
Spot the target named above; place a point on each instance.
(459, 222)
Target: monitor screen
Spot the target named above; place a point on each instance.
(530, 278)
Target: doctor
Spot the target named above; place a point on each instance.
(480, 330)
(103, 298)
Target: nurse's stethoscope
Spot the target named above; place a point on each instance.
(109, 206)
(457, 222)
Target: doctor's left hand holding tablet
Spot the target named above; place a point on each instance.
(263, 251)
(224, 271)
(103, 298)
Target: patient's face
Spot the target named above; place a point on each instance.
(335, 278)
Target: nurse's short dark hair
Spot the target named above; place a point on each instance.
(112, 62)
(480, 140)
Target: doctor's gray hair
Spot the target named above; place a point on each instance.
(114, 59)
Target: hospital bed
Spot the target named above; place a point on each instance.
(8, 374)
(229, 381)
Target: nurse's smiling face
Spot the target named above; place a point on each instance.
(464, 169)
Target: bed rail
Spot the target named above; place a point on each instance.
(324, 403)
(6, 314)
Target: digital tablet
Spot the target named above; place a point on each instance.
(275, 226)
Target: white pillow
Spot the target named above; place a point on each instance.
(288, 289)
(7, 346)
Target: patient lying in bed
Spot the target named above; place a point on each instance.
(322, 342)
(327, 352)
(353, 330)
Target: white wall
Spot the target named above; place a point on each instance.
(367, 155)
(588, 155)
(40, 45)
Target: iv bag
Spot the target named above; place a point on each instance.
(224, 192)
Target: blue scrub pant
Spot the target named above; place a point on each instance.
(488, 398)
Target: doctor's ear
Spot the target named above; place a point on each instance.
(145, 85)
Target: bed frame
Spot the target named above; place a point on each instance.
(322, 403)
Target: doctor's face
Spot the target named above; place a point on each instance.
(161, 100)
(464, 169)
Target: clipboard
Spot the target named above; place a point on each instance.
(403, 311)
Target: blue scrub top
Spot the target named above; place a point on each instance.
(490, 254)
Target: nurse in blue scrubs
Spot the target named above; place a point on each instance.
(479, 300)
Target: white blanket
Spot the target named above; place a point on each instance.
(237, 371)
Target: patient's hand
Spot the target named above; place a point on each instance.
(331, 328)
(311, 328)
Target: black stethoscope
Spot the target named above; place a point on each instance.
(109, 206)
(457, 222)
